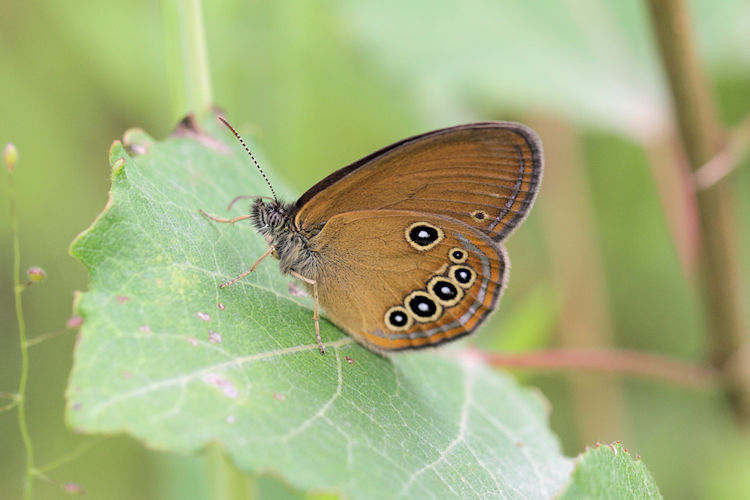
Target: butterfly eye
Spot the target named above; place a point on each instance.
(423, 306)
(457, 255)
(423, 236)
(463, 275)
(398, 318)
(445, 290)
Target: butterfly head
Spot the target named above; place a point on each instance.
(271, 217)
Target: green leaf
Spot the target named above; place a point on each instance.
(169, 358)
(609, 471)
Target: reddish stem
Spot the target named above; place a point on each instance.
(605, 360)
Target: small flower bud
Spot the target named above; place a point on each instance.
(36, 274)
(10, 155)
(74, 322)
(74, 488)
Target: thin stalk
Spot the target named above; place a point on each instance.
(176, 91)
(227, 481)
(577, 273)
(74, 454)
(196, 73)
(736, 149)
(702, 137)
(21, 396)
(614, 361)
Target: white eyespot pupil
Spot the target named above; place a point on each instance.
(422, 306)
(424, 234)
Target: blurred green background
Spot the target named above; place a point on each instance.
(607, 258)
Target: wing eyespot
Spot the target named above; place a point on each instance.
(458, 255)
(397, 318)
(445, 290)
(423, 306)
(464, 275)
(423, 236)
(479, 215)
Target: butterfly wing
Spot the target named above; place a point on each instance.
(397, 279)
(485, 175)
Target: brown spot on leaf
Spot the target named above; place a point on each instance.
(122, 299)
(213, 337)
(221, 306)
(349, 360)
(226, 386)
(278, 396)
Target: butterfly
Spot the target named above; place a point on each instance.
(403, 248)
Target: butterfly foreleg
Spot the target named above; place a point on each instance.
(268, 252)
(316, 316)
(219, 219)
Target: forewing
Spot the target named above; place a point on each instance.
(485, 175)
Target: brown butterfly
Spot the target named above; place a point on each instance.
(403, 247)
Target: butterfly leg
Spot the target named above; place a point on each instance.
(219, 219)
(316, 316)
(252, 268)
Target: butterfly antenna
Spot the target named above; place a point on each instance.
(237, 134)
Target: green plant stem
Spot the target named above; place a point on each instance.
(702, 136)
(74, 454)
(44, 337)
(18, 289)
(227, 481)
(196, 74)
